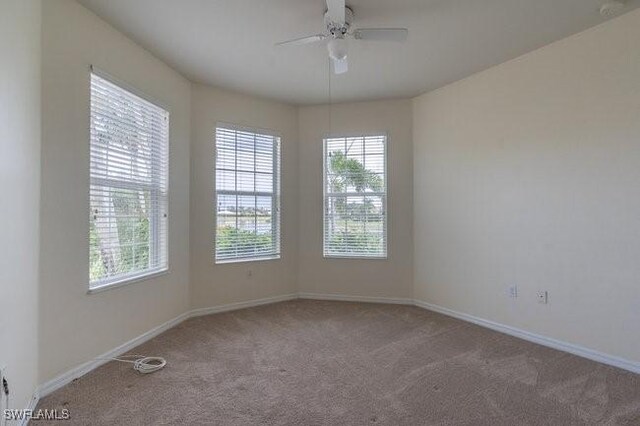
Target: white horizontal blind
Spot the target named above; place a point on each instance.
(129, 141)
(247, 194)
(355, 196)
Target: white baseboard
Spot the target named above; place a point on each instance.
(348, 298)
(241, 305)
(571, 348)
(65, 378)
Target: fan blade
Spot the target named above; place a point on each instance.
(335, 10)
(303, 40)
(340, 66)
(381, 34)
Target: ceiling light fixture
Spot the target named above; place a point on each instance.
(338, 19)
(337, 49)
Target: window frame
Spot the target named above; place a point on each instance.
(156, 215)
(385, 195)
(276, 196)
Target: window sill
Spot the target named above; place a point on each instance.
(356, 257)
(128, 280)
(249, 259)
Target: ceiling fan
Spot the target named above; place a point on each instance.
(338, 19)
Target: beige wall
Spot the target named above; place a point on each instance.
(524, 174)
(20, 177)
(528, 174)
(75, 326)
(374, 278)
(212, 284)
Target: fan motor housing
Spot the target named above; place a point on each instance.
(335, 29)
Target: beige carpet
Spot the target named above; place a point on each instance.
(336, 363)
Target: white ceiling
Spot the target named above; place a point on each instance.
(230, 43)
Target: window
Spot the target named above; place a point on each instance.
(355, 197)
(247, 195)
(129, 139)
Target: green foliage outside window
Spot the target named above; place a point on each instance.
(347, 228)
(230, 240)
(132, 227)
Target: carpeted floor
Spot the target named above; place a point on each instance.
(336, 363)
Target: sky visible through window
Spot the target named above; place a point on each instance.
(355, 197)
(128, 189)
(247, 166)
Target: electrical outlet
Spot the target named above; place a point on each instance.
(513, 291)
(3, 379)
(543, 297)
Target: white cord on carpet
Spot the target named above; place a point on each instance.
(141, 363)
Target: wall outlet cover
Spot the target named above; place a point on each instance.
(543, 297)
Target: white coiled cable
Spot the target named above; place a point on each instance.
(141, 363)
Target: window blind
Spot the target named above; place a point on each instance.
(355, 196)
(247, 181)
(129, 141)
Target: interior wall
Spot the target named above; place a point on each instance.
(528, 174)
(76, 326)
(391, 277)
(20, 49)
(524, 175)
(211, 284)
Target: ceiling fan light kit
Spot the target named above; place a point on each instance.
(338, 20)
(337, 48)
